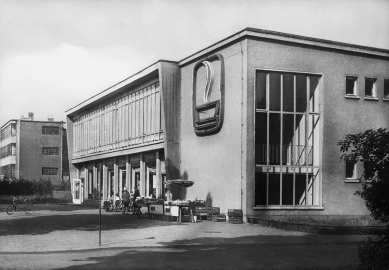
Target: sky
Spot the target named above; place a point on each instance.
(56, 54)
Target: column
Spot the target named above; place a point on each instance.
(95, 186)
(142, 176)
(115, 176)
(147, 181)
(158, 176)
(105, 181)
(128, 174)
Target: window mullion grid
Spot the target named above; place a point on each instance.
(267, 137)
(281, 135)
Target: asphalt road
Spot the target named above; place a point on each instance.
(67, 238)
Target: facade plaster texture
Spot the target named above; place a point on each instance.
(339, 115)
(31, 159)
(214, 162)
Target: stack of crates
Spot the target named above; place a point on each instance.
(212, 213)
(235, 216)
(200, 212)
(219, 218)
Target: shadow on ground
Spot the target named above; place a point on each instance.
(223, 257)
(38, 225)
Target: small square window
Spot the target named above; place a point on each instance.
(351, 86)
(386, 88)
(370, 88)
(351, 170)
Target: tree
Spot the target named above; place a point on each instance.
(372, 148)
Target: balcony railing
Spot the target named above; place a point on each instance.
(291, 154)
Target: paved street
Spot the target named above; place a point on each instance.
(66, 237)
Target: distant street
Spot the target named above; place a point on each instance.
(66, 237)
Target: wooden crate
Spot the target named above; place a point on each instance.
(218, 218)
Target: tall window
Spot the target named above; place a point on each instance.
(8, 150)
(287, 139)
(50, 130)
(8, 131)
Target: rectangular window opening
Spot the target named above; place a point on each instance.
(386, 88)
(351, 170)
(370, 88)
(351, 86)
(50, 130)
(49, 171)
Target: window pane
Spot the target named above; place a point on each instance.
(351, 85)
(274, 189)
(260, 90)
(299, 140)
(260, 188)
(300, 184)
(350, 169)
(288, 92)
(275, 91)
(287, 189)
(287, 139)
(370, 87)
(314, 93)
(260, 138)
(313, 140)
(301, 93)
(274, 138)
(386, 88)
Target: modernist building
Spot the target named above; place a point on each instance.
(34, 150)
(252, 120)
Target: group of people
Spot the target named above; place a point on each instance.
(128, 198)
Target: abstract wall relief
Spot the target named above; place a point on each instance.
(208, 95)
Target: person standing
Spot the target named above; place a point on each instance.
(126, 200)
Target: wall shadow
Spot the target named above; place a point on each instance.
(39, 225)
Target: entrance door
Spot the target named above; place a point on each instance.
(77, 191)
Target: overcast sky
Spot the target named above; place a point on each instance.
(56, 54)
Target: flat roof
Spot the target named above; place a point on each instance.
(247, 32)
(279, 36)
(26, 120)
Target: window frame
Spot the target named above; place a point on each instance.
(50, 151)
(355, 94)
(355, 177)
(374, 95)
(309, 168)
(51, 128)
(386, 90)
(50, 169)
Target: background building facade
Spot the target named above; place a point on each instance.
(34, 150)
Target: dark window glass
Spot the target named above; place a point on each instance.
(386, 89)
(288, 92)
(301, 93)
(50, 130)
(350, 169)
(370, 87)
(49, 171)
(260, 90)
(275, 91)
(351, 85)
(50, 151)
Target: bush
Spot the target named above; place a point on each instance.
(372, 148)
(22, 187)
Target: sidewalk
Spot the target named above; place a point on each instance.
(67, 228)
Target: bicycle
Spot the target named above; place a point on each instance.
(28, 208)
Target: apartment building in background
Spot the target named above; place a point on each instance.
(34, 150)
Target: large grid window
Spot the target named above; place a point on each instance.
(7, 171)
(8, 150)
(49, 171)
(287, 139)
(8, 131)
(50, 130)
(50, 151)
